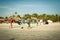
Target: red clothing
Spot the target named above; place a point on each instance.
(11, 20)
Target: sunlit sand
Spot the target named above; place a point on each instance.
(41, 32)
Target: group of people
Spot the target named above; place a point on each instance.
(28, 21)
(19, 22)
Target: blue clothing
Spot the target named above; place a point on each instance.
(19, 22)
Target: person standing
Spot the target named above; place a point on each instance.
(11, 21)
(37, 21)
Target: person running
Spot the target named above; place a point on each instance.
(11, 21)
(28, 22)
(20, 22)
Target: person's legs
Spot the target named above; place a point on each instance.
(29, 26)
(37, 23)
(11, 25)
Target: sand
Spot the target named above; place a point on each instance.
(41, 32)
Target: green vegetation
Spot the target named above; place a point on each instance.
(54, 18)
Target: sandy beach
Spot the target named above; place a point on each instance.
(41, 32)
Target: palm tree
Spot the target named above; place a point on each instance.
(18, 16)
(6, 18)
(44, 16)
(15, 12)
(57, 17)
(1, 17)
(35, 15)
(27, 16)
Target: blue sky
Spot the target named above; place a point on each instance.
(9, 7)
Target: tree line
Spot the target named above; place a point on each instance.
(54, 18)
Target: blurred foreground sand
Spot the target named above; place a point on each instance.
(41, 32)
